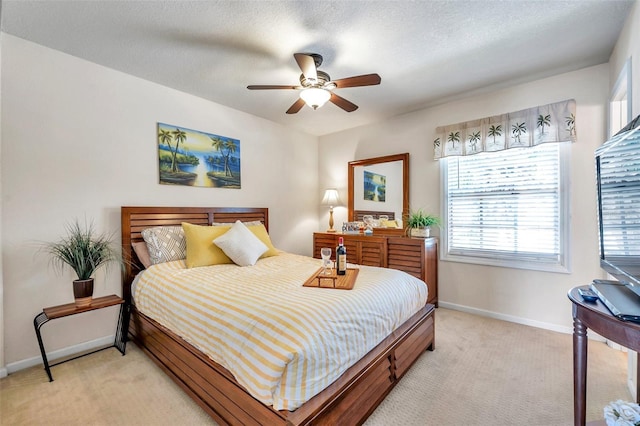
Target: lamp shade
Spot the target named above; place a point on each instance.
(315, 97)
(331, 197)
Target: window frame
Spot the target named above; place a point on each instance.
(515, 261)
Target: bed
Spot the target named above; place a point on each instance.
(348, 400)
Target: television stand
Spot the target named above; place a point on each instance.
(596, 316)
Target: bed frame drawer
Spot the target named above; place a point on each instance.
(409, 350)
(357, 404)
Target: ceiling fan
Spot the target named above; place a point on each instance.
(317, 87)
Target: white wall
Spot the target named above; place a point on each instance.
(3, 370)
(79, 139)
(536, 298)
(628, 46)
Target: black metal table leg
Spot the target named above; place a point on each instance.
(122, 329)
(38, 322)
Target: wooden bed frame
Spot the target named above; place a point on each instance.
(347, 401)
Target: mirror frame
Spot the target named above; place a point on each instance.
(377, 160)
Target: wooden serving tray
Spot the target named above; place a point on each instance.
(339, 282)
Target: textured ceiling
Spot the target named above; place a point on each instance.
(425, 51)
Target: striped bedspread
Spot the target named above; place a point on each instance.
(283, 342)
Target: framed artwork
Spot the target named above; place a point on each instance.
(374, 186)
(194, 158)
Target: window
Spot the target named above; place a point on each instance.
(508, 208)
(620, 102)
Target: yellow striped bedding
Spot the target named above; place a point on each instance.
(283, 342)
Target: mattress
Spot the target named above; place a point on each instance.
(283, 342)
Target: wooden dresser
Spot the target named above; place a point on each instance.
(416, 256)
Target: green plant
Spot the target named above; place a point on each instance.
(82, 250)
(419, 219)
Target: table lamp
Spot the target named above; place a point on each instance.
(331, 199)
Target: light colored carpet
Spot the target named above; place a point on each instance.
(483, 372)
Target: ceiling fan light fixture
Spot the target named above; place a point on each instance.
(315, 97)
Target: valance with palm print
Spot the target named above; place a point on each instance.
(528, 127)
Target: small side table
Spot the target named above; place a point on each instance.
(596, 316)
(60, 311)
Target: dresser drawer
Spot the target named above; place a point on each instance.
(324, 240)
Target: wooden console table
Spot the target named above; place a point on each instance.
(68, 309)
(596, 316)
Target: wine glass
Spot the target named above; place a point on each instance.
(325, 252)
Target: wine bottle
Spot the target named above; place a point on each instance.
(341, 257)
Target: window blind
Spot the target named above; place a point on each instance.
(506, 205)
(619, 172)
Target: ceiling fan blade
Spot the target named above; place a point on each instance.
(308, 66)
(343, 103)
(297, 106)
(359, 80)
(269, 87)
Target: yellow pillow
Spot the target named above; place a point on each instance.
(200, 248)
(261, 232)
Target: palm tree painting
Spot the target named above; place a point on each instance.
(571, 124)
(495, 131)
(543, 120)
(194, 158)
(453, 138)
(474, 138)
(517, 130)
(375, 186)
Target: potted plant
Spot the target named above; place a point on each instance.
(418, 223)
(84, 251)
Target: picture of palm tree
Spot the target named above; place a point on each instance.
(375, 186)
(474, 138)
(571, 124)
(495, 131)
(193, 158)
(543, 120)
(517, 130)
(453, 138)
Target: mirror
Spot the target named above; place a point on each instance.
(379, 186)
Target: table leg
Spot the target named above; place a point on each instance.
(38, 322)
(637, 377)
(122, 329)
(579, 371)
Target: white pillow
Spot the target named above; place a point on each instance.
(241, 245)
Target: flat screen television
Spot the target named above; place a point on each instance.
(618, 190)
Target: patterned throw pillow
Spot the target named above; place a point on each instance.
(165, 243)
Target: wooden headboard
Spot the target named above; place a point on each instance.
(136, 219)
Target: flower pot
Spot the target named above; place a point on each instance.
(422, 232)
(83, 292)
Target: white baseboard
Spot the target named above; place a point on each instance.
(517, 320)
(3, 372)
(59, 354)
